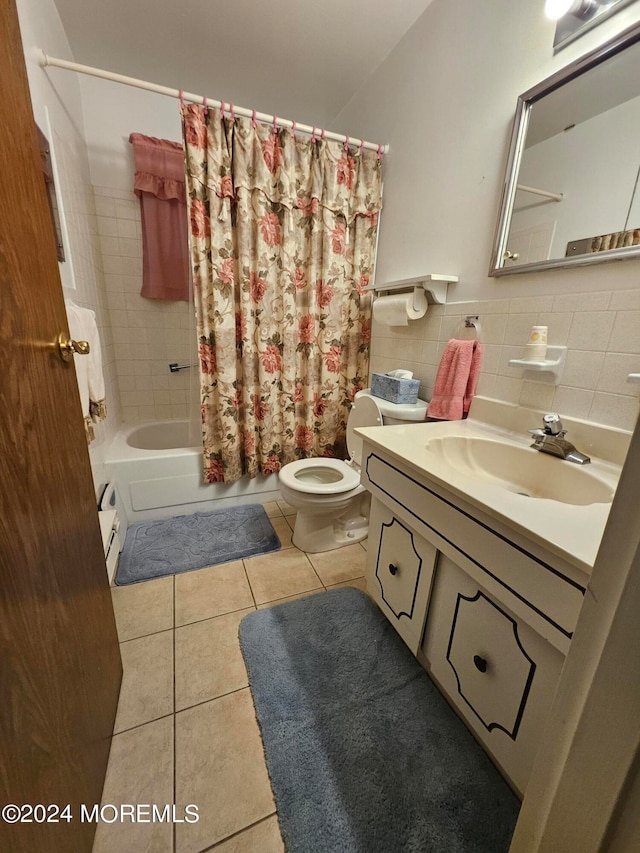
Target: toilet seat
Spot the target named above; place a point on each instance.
(326, 476)
(319, 476)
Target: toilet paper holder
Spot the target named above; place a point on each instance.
(433, 286)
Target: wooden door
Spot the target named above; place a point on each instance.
(60, 666)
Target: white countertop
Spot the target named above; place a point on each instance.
(573, 532)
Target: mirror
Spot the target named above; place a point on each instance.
(571, 192)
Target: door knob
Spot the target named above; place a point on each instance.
(67, 348)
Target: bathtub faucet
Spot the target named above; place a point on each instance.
(175, 367)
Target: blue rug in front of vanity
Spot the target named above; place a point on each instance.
(364, 754)
(153, 549)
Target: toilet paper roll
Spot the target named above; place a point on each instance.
(398, 309)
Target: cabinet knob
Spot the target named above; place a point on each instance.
(480, 663)
(393, 569)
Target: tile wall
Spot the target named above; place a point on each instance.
(601, 331)
(89, 292)
(147, 334)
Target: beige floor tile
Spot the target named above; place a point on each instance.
(272, 509)
(339, 565)
(220, 768)
(283, 530)
(209, 662)
(364, 544)
(280, 574)
(143, 608)
(358, 583)
(140, 771)
(211, 592)
(147, 680)
(286, 508)
(264, 837)
(291, 520)
(290, 598)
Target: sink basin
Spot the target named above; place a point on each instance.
(521, 470)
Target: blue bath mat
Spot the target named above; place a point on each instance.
(153, 549)
(364, 753)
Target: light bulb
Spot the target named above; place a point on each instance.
(555, 9)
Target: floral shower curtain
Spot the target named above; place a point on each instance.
(283, 234)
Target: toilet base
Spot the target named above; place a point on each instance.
(316, 533)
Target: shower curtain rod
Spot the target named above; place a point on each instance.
(264, 118)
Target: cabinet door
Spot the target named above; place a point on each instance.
(400, 572)
(496, 670)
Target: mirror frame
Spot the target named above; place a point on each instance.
(525, 102)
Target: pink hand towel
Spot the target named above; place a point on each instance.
(456, 380)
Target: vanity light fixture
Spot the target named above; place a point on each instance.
(556, 9)
(575, 17)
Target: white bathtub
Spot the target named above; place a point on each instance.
(157, 468)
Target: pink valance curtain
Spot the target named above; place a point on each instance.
(160, 185)
(283, 232)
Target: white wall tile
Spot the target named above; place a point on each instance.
(614, 409)
(625, 336)
(582, 368)
(590, 330)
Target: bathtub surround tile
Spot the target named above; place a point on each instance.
(263, 836)
(530, 304)
(209, 662)
(147, 682)
(625, 300)
(143, 608)
(210, 592)
(279, 575)
(340, 565)
(220, 767)
(518, 329)
(140, 770)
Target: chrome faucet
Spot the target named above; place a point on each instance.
(551, 440)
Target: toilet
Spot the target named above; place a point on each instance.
(332, 505)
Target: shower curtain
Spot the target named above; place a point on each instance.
(283, 235)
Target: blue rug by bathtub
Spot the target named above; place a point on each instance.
(153, 549)
(363, 752)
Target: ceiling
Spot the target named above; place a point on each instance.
(300, 59)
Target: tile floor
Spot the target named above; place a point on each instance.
(185, 730)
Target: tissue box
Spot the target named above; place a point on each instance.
(394, 390)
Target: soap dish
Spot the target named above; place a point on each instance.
(553, 364)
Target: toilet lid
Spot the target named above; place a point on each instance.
(365, 412)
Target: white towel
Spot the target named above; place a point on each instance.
(82, 326)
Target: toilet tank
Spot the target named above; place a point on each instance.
(398, 413)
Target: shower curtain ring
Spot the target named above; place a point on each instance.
(313, 135)
(293, 129)
(361, 147)
(275, 124)
(253, 119)
(346, 144)
(323, 134)
(222, 108)
(205, 106)
(181, 98)
(379, 155)
(232, 114)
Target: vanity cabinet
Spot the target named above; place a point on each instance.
(495, 669)
(401, 573)
(488, 615)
